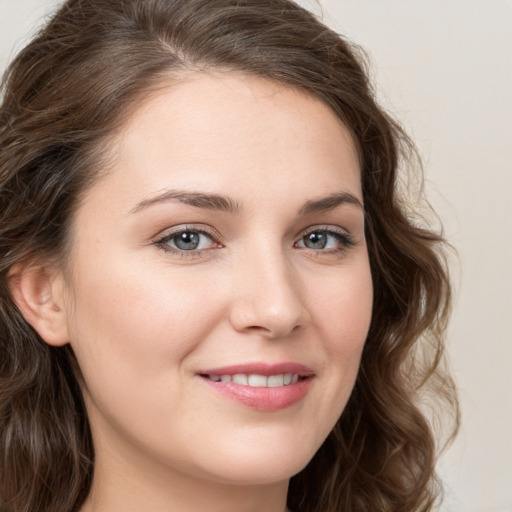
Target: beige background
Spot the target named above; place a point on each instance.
(444, 68)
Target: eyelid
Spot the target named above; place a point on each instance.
(329, 228)
(179, 228)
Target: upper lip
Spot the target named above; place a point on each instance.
(259, 368)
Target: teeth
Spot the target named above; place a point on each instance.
(275, 381)
(257, 381)
(240, 378)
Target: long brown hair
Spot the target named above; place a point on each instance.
(62, 97)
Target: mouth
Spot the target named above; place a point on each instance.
(260, 386)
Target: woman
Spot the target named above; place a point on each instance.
(212, 295)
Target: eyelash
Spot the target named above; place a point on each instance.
(344, 239)
(163, 243)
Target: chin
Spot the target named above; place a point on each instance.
(248, 473)
(260, 462)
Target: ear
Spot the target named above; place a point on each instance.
(38, 293)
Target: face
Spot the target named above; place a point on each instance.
(219, 288)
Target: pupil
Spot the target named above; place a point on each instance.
(187, 241)
(316, 240)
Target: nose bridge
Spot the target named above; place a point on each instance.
(268, 297)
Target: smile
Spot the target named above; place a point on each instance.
(257, 381)
(261, 386)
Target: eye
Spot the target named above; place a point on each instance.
(187, 240)
(328, 240)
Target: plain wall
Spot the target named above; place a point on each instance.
(444, 68)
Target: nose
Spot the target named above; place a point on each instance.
(268, 298)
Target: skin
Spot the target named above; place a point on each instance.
(143, 321)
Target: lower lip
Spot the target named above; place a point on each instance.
(264, 398)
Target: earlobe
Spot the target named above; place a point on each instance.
(38, 293)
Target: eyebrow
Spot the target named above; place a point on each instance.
(330, 202)
(226, 204)
(198, 199)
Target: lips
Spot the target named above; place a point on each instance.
(260, 386)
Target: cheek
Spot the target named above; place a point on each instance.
(137, 320)
(344, 310)
(132, 333)
(342, 317)
(132, 297)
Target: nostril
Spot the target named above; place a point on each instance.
(272, 330)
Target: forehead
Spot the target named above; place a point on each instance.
(216, 132)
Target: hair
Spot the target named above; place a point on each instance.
(64, 95)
